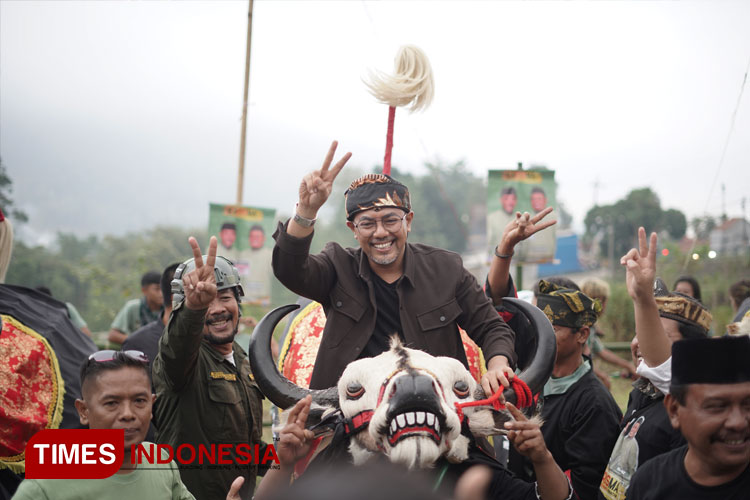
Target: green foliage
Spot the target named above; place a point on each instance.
(442, 202)
(6, 203)
(618, 323)
(98, 276)
(641, 207)
(674, 222)
(714, 276)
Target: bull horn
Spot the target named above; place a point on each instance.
(542, 362)
(277, 388)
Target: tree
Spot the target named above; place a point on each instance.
(702, 226)
(6, 203)
(641, 207)
(674, 223)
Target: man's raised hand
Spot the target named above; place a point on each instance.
(200, 285)
(640, 267)
(316, 186)
(294, 440)
(522, 227)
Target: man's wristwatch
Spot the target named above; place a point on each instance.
(303, 221)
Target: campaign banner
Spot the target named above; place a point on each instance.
(511, 191)
(244, 235)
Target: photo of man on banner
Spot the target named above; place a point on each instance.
(511, 191)
(242, 232)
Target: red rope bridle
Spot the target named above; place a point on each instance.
(524, 398)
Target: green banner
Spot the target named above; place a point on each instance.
(511, 191)
(244, 235)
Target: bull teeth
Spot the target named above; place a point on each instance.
(401, 421)
(420, 417)
(430, 419)
(410, 418)
(437, 425)
(394, 427)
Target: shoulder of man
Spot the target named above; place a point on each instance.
(430, 252)
(129, 306)
(149, 332)
(332, 249)
(663, 469)
(31, 489)
(593, 395)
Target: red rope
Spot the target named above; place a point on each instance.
(524, 398)
(389, 140)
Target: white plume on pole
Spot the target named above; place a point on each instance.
(411, 85)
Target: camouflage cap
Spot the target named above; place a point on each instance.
(680, 307)
(567, 307)
(375, 191)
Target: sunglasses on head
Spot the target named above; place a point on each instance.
(111, 354)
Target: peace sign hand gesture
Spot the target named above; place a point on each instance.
(316, 186)
(200, 285)
(640, 267)
(522, 227)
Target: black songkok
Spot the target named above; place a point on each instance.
(722, 360)
(567, 307)
(375, 191)
(681, 308)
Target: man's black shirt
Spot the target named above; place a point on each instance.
(388, 319)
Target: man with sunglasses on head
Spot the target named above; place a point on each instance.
(386, 286)
(207, 394)
(116, 394)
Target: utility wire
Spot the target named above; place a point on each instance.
(688, 256)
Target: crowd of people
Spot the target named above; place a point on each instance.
(177, 376)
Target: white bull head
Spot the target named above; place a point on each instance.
(402, 403)
(409, 397)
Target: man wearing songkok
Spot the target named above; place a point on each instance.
(709, 402)
(581, 419)
(646, 430)
(387, 285)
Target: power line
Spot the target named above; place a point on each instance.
(721, 159)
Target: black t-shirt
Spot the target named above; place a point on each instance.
(503, 484)
(664, 477)
(656, 434)
(580, 428)
(387, 320)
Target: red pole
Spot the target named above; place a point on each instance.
(389, 141)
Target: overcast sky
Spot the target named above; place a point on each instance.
(118, 116)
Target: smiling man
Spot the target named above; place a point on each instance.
(203, 379)
(116, 392)
(386, 286)
(709, 402)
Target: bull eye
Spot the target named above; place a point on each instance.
(461, 389)
(354, 390)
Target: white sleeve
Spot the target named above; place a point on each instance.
(660, 375)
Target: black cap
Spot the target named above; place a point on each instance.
(722, 360)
